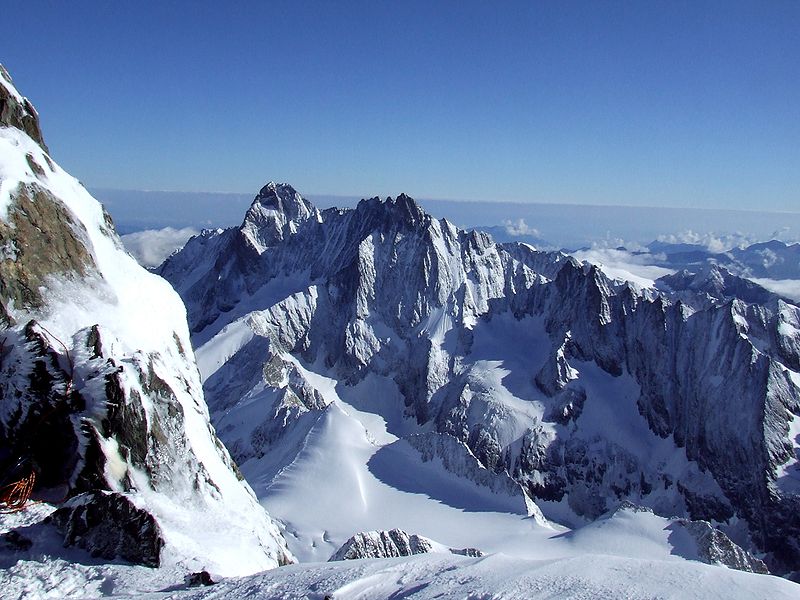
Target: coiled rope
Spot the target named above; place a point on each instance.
(14, 497)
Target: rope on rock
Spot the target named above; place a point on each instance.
(14, 497)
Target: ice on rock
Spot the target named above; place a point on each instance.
(382, 544)
(392, 544)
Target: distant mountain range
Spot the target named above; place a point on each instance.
(587, 392)
(773, 259)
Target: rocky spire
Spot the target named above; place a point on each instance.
(276, 212)
(17, 111)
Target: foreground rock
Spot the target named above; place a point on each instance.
(109, 526)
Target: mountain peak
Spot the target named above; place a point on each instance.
(283, 198)
(401, 210)
(409, 207)
(276, 212)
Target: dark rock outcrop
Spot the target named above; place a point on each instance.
(41, 238)
(110, 526)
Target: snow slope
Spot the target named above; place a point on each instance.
(627, 555)
(344, 481)
(499, 576)
(110, 327)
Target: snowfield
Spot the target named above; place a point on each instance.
(627, 556)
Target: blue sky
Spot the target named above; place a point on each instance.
(640, 103)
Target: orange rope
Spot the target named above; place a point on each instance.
(15, 496)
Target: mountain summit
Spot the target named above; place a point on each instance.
(276, 212)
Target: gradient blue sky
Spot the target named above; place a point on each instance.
(640, 103)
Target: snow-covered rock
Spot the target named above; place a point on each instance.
(382, 544)
(695, 540)
(393, 543)
(456, 457)
(714, 547)
(276, 212)
(99, 386)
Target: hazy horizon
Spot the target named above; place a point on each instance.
(553, 225)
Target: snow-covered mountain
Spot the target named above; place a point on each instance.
(99, 389)
(586, 392)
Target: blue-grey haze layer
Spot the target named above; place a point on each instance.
(551, 225)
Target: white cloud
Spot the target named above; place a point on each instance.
(152, 246)
(519, 227)
(722, 243)
(622, 265)
(790, 288)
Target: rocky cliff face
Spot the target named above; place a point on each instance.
(17, 111)
(586, 391)
(99, 391)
